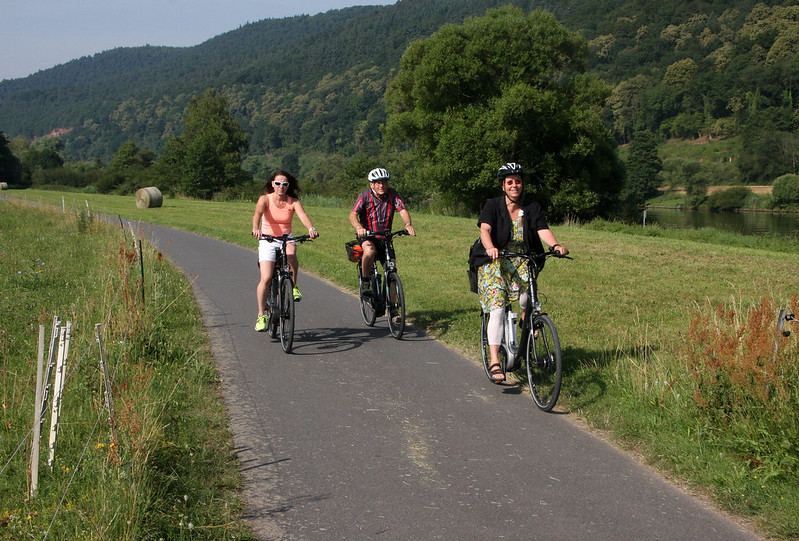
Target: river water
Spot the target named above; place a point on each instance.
(746, 223)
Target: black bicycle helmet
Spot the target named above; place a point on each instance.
(510, 168)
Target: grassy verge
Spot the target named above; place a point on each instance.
(627, 309)
(170, 473)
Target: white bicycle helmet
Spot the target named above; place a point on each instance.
(378, 174)
(510, 168)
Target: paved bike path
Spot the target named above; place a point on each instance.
(359, 436)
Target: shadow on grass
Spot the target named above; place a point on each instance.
(439, 322)
(583, 371)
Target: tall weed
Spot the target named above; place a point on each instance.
(746, 375)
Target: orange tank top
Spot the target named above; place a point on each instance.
(277, 221)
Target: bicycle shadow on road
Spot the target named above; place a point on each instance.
(333, 340)
(517, 385)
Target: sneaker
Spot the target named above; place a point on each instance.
(366, 287)
(260, 325)
(297, 294)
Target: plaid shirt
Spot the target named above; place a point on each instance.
(376, 214)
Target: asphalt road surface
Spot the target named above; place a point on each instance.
(356, 435)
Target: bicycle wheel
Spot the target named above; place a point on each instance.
(273, 320)
(286, 314)
(544, 363)
(485, 350)
(395, 302)
(367, 307)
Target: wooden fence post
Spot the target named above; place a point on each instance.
(37, 412)
(109, 399)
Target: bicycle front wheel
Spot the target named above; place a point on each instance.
(395, 301)
(286, 314)
(274, 315)
(544, 362)
(367, 302)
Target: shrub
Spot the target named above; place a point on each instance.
(785, 191)
(730, 199)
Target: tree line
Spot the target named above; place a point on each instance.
(644, 72)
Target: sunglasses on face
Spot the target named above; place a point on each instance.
(278, 184)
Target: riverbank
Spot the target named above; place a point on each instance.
(759, 190)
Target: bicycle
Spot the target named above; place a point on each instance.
(281, 298)
(539, 343)
(386, 291)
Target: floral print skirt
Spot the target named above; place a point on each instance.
(500, 281)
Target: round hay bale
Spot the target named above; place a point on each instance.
(150, 197)
(3, 185)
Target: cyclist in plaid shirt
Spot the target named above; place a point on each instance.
(374, 211)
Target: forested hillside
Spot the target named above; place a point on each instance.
(316, 84)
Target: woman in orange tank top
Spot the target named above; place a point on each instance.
(274, 212)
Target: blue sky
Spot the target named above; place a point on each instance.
(39, 34)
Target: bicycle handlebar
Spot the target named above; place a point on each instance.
(529, 255)
(388, 234)
(285, 237)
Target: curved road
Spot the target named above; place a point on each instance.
(360, 436)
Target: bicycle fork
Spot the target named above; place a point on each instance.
(516, 345)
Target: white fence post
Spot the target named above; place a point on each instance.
(58, 388)
(51, 356)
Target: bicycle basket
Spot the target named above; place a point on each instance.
(354, 251)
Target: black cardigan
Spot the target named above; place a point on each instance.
(495, 213)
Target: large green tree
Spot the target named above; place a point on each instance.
(505, 87)
(643, 168)
(207, 157)
(10, 167)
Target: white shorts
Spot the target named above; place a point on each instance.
(267, 251)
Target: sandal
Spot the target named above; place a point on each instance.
(495, 373)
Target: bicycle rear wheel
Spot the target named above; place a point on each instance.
(367, 302)
(544, 362)
(395, 302)
(485, 350)
(286, 314)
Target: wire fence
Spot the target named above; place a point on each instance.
(49, 394)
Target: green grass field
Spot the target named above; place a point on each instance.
(646, 317)
(170, 472)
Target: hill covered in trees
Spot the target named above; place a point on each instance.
(315, 85)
